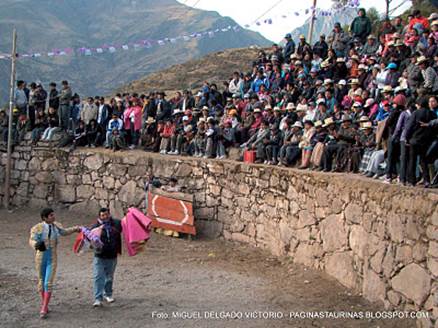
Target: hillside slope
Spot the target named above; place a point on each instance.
(216, 67)
(47, 24)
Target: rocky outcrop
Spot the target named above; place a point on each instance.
(379, 240)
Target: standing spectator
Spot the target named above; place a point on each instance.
(320, 48)
(289, 47)
(418, 22)
(419, 139)
(303, 46)
(65, 97)
(398, 25)
(53, 96)
(21, 98)
(361, 26)
(39, 101)
(339, 40)
(89, 111)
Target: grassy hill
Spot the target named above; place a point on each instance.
(216, 67)
(47, 24)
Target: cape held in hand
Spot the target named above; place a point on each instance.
(136, 230)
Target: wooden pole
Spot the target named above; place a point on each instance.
(7, 191)
(312, 23)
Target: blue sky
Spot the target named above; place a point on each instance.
(238, 10)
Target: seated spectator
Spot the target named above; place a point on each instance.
(290, 151)
(53, 125)
(166, 135)
(40, 126)
(306, 144)
(114, 123)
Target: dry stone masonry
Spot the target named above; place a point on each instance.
(380, 240)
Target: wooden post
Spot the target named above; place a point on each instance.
(312, 23)
(7, 190)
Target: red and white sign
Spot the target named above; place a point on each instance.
(171, 213)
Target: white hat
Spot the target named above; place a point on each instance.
(433, 16)
(369, 102)
(185, 118)
(298, 124)
(301, 108)
(342, 82)
(328, 81)
(290, 106)
(199, 94)
(357, 104)
(257, 110)
(177, 111)
(325, 63)
(421, 59)
(362, 66)
(320, 101)
(387, 88)
(340, 60)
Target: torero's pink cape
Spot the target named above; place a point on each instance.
(136, 230)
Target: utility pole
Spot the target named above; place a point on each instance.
(312, 23)
(7, 191)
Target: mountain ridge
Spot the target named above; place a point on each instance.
(51, 24)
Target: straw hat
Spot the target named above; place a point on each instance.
(421, 59)
(387, 89)
(297, 124)
(301, 108)
(366, 125)
(290, 106)
(328, 121)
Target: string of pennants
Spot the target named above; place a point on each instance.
(307, 11)
(112, 48)
(147, 44)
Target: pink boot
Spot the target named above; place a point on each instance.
(45, 305)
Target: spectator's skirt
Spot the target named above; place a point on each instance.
(315, 160)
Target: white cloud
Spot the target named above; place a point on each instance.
(246, 11)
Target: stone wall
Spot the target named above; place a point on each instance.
(379, 240)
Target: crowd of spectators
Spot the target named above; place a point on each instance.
(351, 102)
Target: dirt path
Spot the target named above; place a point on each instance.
(200, 278)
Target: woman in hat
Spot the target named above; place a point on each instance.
(149, 134)
(44, 238)
(290, 151)
(340, 70)
(306, 144)
(366, 144)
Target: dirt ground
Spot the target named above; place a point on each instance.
(204, 279)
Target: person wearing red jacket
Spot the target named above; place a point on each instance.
(169, 129)
(418, 19)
